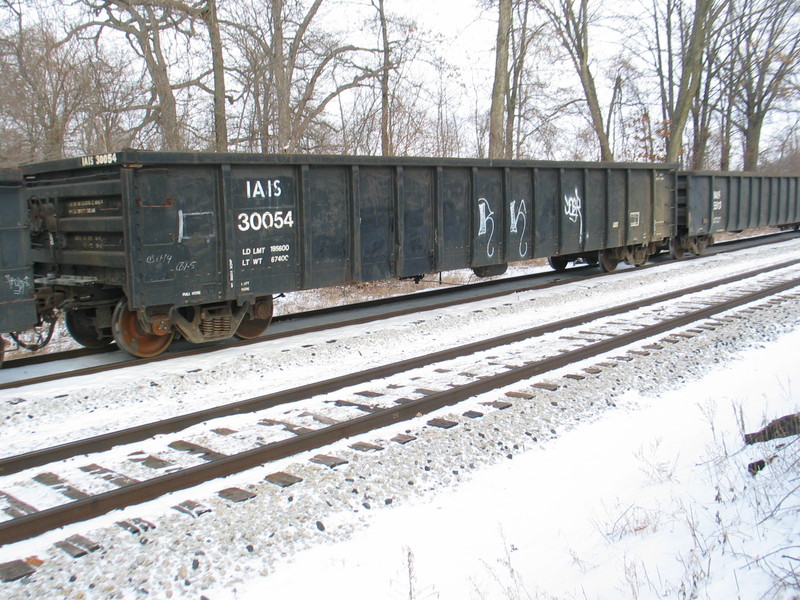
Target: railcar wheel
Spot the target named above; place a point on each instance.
(251, 328)
(676, 249)
(130, 337)
(558, 263)
(702, 245)
(640, 257)
(608, 261)
(81, 326)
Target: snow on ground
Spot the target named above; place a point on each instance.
(654, 500)
(629, 484)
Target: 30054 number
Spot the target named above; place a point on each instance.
(268, 219)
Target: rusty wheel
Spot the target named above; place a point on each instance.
(130, 337)
(251, 328)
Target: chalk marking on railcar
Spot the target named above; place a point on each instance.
(155, 259)
(186, 265)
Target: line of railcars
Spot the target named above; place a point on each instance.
(138, 247)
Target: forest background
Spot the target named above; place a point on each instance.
(710, 84)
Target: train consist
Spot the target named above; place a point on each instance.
(139, 247)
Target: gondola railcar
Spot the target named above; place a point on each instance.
(710, 203)
(139, 247)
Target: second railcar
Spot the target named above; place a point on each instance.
(710, 203)
(138, 246)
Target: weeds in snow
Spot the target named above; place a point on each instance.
(656, 471)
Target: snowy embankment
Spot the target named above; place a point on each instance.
(652, 500)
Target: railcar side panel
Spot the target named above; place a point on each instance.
(375, 223)
(456, 218)
(261, 225)
(616, 208)
(174, 236)
(546, 212)
(596, 208)
(17, 306)
(574, 198)
(520, 215)
(326, 212)
(640, 208)
(416, 227)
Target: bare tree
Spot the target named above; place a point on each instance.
(290, 72)
(570, 19)
(145, 25)
(766, 38)
(112, 115)
(691, 73)
(44, 89)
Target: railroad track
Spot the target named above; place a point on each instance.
(354, 314)
(525, 355)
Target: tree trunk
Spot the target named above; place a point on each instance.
(497, 146)
(218, 66)
(690, 79)
(282, 90)
(752, 142)
(386, 137)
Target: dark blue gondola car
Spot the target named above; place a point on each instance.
(137, 246)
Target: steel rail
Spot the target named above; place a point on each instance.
(99, 443)
(37, 523)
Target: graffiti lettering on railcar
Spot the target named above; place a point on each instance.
(18, 285)
(519, 223)
(269, 188)
(573, 209)
(486, 226)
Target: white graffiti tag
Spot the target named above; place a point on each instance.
(487, 220)
(519, 222)
(18, 286)
(572, 208)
